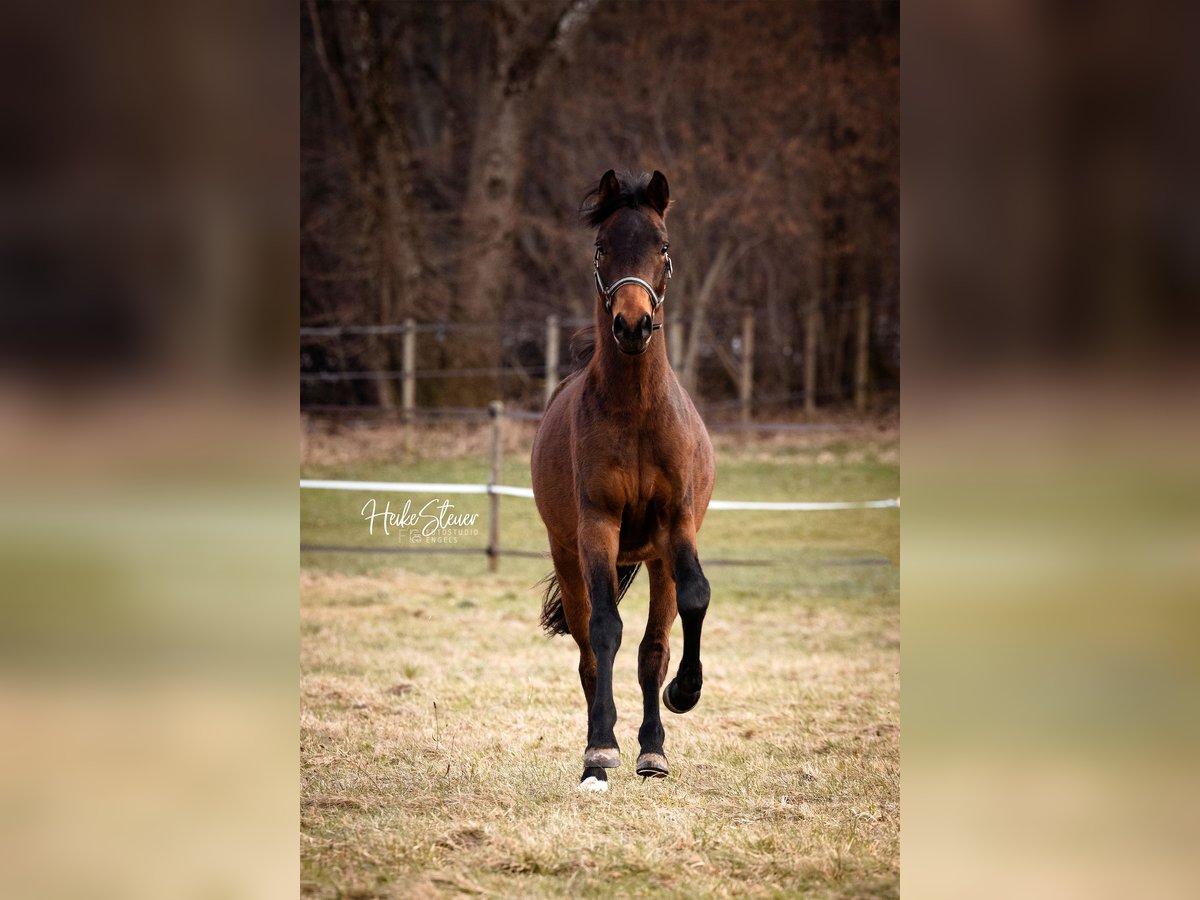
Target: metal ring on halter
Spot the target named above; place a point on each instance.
(609, 292)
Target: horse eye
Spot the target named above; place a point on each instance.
(665, 246)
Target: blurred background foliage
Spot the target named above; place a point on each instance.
(445, 148)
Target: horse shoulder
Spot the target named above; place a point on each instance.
(703, 469)
(567, 383)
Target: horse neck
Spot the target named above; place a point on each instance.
(630, 380)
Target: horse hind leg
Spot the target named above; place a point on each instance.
(654, 655)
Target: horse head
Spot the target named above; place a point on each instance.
(631, 263)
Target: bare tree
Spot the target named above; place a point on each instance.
(351, 41)
(446, 148)
(528, 37)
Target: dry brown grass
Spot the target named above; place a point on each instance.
(442, 734)
(327, 443)
(442, 737)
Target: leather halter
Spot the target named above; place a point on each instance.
(656, 300)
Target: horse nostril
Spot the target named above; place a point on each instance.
(619, 326)
(645, 325)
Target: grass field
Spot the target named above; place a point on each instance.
(442, 733)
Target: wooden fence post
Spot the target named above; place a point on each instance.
(812, 319)
(746, 382)
(496, 412)
(408, 400)
(551, 356)
(861, 367)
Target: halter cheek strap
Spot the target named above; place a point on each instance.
(656, 300)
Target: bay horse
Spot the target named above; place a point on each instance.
(622, 475)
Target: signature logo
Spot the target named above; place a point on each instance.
(434, 523)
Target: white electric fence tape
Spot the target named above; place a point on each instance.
(510, 491)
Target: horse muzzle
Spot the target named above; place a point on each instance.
(633, 339)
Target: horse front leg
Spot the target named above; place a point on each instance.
(691, 597)
(654, 655)
(576, 611)
(598, 543)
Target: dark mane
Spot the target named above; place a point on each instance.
(583, 345)
(632, 194)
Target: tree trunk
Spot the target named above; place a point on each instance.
(383, 183)
(523, 56)
(497, 163)
(698, 309)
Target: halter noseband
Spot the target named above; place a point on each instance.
(609, 292)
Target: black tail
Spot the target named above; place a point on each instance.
(554, 620)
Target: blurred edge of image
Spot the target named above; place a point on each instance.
(1051, 259)
(148, 273)
(1051, 529)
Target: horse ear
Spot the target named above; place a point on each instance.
(658, 193)
(600, 202)
(608, 191)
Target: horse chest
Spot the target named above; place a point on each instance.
(625, 482)
(643, 501)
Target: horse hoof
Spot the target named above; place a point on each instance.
(605, 758)
(652, 765)
(592, 785)
(679, 705)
